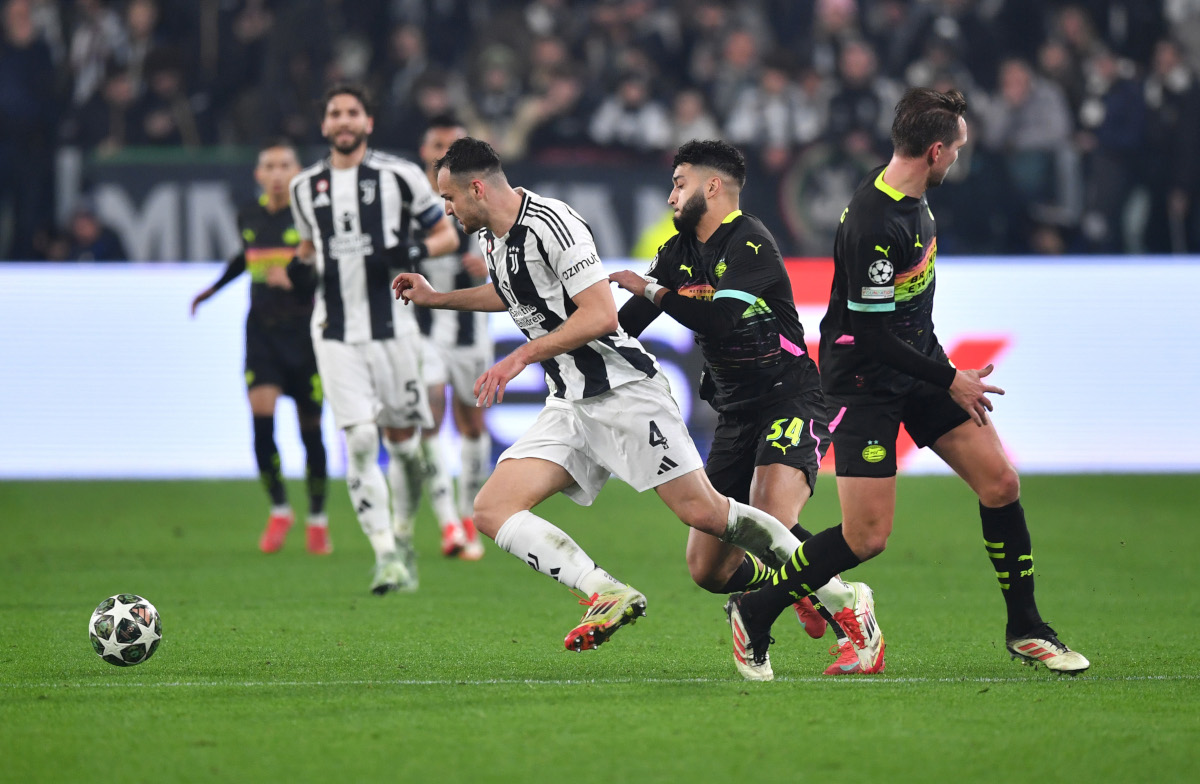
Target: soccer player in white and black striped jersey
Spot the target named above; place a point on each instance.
(609, 410)
(355, 211)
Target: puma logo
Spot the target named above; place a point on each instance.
(752, 245)
(918, 244)
(782, 448)
(883, 250)
(686, 268)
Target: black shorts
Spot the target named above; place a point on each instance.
(284, 358)
(791, 432)
(864, 430)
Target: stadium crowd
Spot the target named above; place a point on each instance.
(1085, 115)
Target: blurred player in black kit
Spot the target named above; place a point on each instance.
(722, 276)
(279, 350)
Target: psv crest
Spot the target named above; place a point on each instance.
(367, 188)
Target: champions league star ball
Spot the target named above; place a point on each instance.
(125, 630)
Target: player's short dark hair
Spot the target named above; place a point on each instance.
(925, 116)
(441, 121)
(469, 156)
(280, 142)
(713, 154)
(346, 88)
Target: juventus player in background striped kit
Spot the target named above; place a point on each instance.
(355, 211)
(609, 410)
(455, 349)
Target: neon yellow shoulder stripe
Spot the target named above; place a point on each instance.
(730, 217)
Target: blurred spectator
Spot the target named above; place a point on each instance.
(1026, 126)
(836, 25)
(863, 105)
(102, 124)
(1056, 63)
(550, 124)
(99, 37)
(632, 119)
(164, 115)
(402, 63)
(494, 94)
(402, 125)
(293, 105)
(141, 20)
(739, 70)
(548, 57)
(765, 116)
(28, 131)
(1112, 122)
(691, 119)
(91, 240)
(1172, 161)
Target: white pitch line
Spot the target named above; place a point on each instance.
(884, 681)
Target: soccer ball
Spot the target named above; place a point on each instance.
(125, 630)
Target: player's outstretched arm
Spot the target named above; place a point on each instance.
(595, 316)
(235, 267)
(414, 289)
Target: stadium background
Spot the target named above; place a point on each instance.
(127, 131)
(131, 128)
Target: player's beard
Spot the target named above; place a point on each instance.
(690, 213)
(345, 149)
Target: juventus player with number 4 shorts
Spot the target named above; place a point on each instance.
(882, 365)
(355, 211)
(722, 277)
(609, 410)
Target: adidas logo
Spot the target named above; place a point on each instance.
(666, 465)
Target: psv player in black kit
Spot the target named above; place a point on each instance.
(279, 352)
(882, 365)
(722, 276)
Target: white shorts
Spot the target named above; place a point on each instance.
(377, 382)
(634, 432)
(458, 366)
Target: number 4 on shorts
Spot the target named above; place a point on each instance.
(656, 436)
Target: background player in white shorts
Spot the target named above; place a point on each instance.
(456, 348)
(609, 409)
(354, 212)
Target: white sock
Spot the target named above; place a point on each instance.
(368, 488)
(836, 595)
(476, 465)
(405, 472)
(318, 521)
(550, 551)
(283, 510)
(759, 534)
(437, 480)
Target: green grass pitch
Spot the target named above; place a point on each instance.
(285, 668)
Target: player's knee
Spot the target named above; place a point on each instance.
(705, 574)
(867, 541)
(701, 514)
(490, 512)
(1002, 490)
(362, 445)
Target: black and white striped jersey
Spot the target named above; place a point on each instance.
(546, 258)
(352, 216)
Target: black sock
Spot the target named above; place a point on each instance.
(1006, 538)
(314, 450)
(828, 616)
(750, 573)
(812, 565)
(267, 456)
